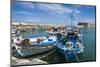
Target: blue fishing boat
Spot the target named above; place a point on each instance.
(70, 46)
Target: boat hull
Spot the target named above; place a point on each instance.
(70, 54)
(28, 51)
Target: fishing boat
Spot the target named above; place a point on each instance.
(15, 32)
(71, 46)
(38, 46)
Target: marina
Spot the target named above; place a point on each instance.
(84, 56)
(52, 34)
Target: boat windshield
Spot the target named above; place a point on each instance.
(52, 34)
(72, 37)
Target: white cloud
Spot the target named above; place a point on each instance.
(50, 8)
(77, 12)
(27, 5)
(55, 8)
(21, 13)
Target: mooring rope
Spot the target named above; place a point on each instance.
(75, 54)
(74, 51)
(66, 55)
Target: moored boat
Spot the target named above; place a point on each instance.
(69, 50)
(71, 46)
(37, 46)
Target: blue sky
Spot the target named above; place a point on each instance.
(47, 13)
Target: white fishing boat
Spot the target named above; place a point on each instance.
(15, 32)
(38, 46)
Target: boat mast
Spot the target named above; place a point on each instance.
(71, 18)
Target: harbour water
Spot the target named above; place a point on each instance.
(88, 40)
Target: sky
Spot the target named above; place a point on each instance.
(51, 13)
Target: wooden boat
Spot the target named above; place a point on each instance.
(69, 50)
(27, 51)
(71, 46)
(35, 47)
